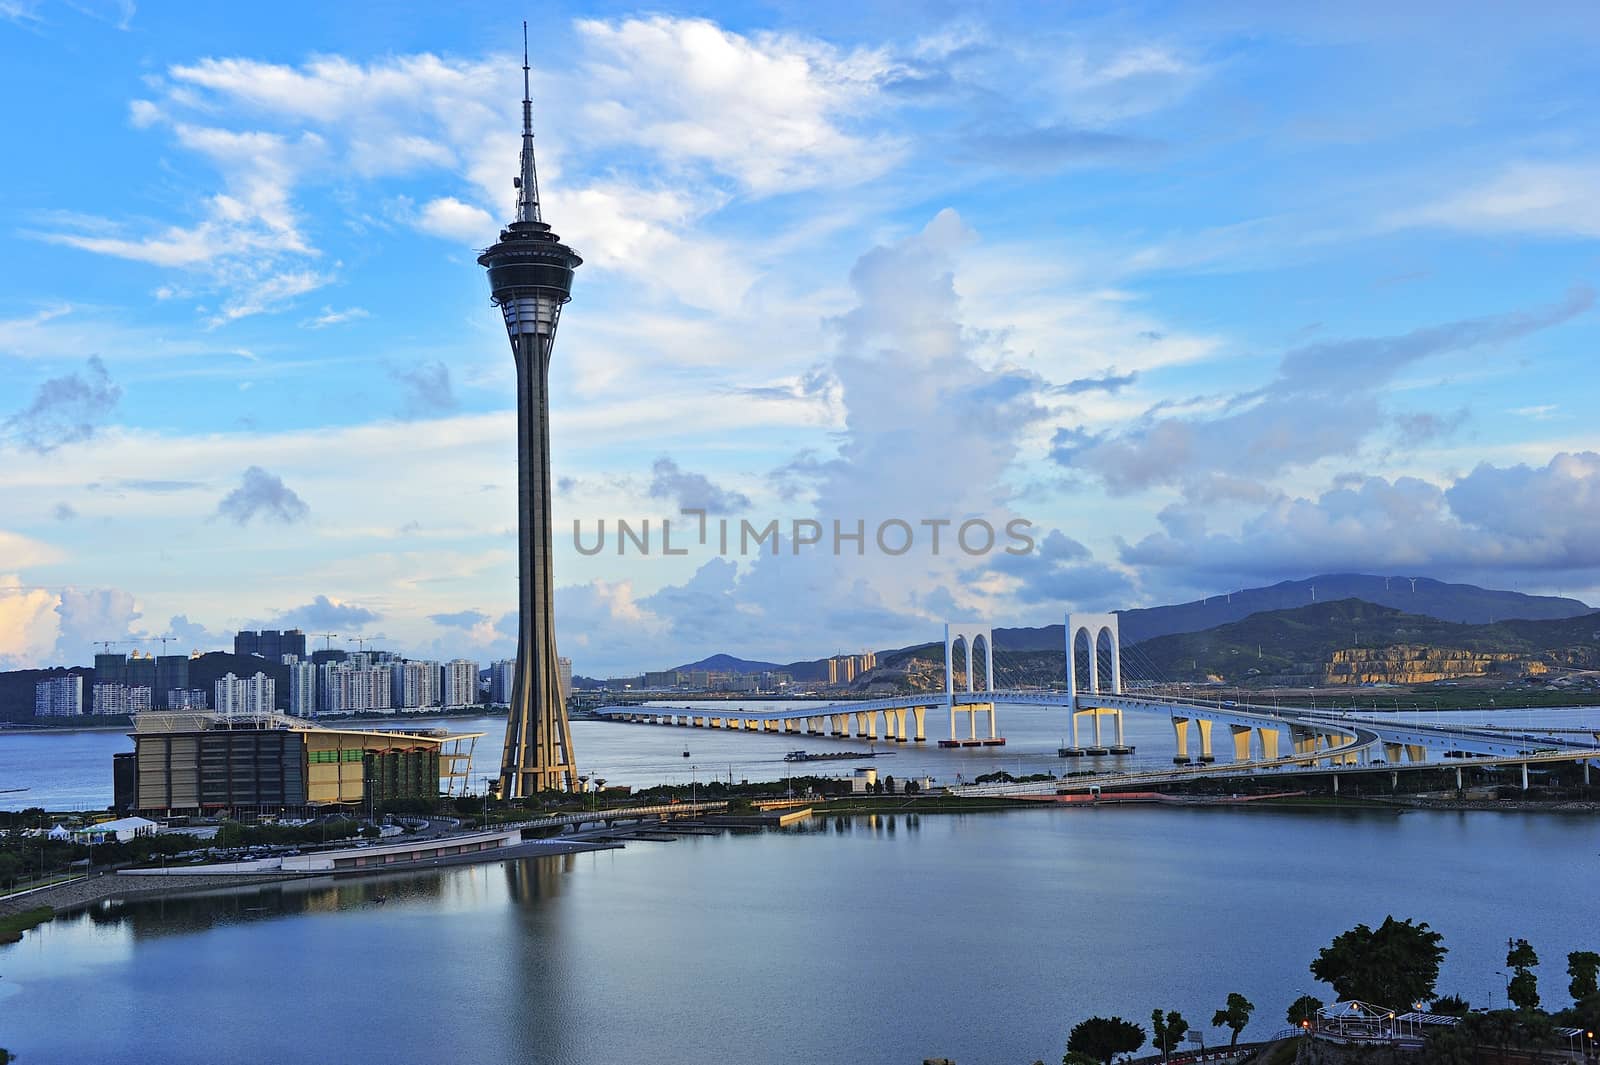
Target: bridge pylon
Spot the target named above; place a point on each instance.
(968, 634)
(1094, 626)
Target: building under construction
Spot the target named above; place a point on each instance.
(244, 765)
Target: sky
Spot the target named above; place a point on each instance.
(1176, 299)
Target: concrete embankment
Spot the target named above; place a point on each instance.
(76, 894)
(64, 898)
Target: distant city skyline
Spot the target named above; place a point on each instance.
(1212, 298)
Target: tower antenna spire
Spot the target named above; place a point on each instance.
(528, 181)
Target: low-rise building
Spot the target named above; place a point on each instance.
(247, 764)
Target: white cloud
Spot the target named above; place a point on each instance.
(448, 217)
(329, 316)
(1546, 199)
(1503, 520)
(771, 110)
(28, 621)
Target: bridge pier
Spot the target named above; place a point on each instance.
(1203, 727)
(1241, 742)
(1524, 776)
(1416, 752)
(1269, 744)
(918, 714)
(1180, 731)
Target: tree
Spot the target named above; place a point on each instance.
(1103, 1038)
(1523, 990)
(1394, 965)
(888, 785)
(1303, 1010)
(1234, 1016)
(1450, 1006)
(1583, 966)
(912, 787)
(1078, 1057)
(1168, 1031)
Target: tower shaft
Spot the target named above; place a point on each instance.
(538, 747)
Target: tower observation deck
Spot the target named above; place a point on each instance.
(530, 280)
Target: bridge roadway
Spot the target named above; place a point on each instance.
(903, 721)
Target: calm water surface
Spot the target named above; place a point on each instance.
(979, 937)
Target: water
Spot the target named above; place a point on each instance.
(981, 937)
(72, 770)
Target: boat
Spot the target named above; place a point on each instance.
(829, 756)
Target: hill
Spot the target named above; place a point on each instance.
(1343, 641)
(729, 664)
(1464, 603)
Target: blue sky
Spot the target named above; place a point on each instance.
(1211, 295)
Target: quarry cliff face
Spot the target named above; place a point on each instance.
(1405, 664)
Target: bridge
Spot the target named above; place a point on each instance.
(1255, 737)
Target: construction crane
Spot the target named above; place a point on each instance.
(164, 641)
(327, 639)
(362, 641)
(107, 645)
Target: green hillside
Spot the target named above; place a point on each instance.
(1299, 642)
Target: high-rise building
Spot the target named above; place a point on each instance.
(415, 685)
(270, 643)
(661, 678)
(371, 688)
(530, 280)
(172, 672)
(833, 671)
(302, 688)
(121, 699)
(186, 699)
(459, 685)
(502, 677)
(110, 668)
(59, 696)
(564, 674)
(245, 695)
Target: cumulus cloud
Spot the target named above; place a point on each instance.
(426, 388)
(1324, 401)
(86, 616)
(326, 614)
(771, 110)
(927, 431)
(28, 622)
(693, 491)
(66, 409)
(261, 494)
(1495, 519)
(1062, 570)
(196, 636)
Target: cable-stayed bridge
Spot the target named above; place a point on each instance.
(1253, 737)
